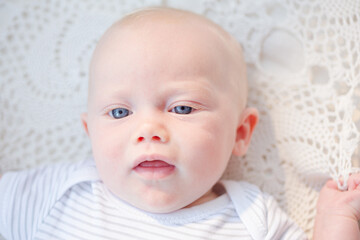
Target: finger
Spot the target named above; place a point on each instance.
(354, 182)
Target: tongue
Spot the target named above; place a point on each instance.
(155, 163)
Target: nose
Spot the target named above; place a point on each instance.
(152, 132)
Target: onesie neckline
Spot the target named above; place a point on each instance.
(179, 217)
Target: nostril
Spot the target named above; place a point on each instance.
(140, 139)
(156, 138)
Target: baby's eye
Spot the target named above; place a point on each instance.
(182, 109)
(119, 113)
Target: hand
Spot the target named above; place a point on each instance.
(338, 212)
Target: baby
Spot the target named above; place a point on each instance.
(166, 110)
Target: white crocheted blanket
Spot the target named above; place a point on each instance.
(304, 72)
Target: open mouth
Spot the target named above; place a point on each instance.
(154, 169)
(154, 164)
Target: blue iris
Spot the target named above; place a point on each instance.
(118, 113)
(182, 109)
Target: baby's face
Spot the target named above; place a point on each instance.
(161, 120)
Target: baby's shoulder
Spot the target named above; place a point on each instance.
(260, 212)
(38, 190)
(246, 195)
(46, 173)
(48, 181)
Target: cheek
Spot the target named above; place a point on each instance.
(211, 143)
(108, 152)
(218, 134)
(107, 146)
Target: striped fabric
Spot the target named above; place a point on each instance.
(68, 201)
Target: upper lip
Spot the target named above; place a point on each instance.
(151, 157)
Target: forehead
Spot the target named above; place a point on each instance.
(163, 44)
(162, 35)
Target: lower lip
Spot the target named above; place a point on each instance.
(155, 171)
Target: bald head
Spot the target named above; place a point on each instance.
(152, 32)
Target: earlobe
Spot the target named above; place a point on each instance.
(84, 120)
(247, 123)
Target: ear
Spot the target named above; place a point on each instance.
(84, 120)
(247, 122)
